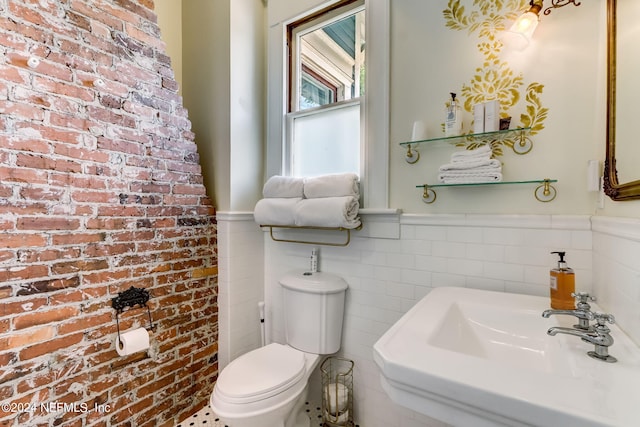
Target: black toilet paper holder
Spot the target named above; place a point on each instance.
(130, 298)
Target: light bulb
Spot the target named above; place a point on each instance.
(520, 34)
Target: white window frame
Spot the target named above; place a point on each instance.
(374, 180)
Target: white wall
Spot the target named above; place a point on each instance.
(616, 247)
(169, 14)
(429, 60)
(224, 91)
(240, 284)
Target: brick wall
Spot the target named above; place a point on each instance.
(100, 190)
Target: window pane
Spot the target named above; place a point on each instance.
(331, 63)
(327, 142)
(315, 92)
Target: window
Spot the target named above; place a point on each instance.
(373, 105)
(325, 84)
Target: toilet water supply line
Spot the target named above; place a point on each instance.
(261, 309)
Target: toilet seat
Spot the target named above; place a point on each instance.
(260, 374)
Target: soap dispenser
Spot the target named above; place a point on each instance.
(562, 283)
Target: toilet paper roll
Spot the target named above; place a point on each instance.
(336, 397)
(132, 342)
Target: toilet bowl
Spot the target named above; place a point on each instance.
(267, 387)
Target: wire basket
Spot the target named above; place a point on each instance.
(337, 392)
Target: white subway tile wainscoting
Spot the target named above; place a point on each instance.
(398, 259)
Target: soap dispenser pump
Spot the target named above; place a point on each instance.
(562, 284)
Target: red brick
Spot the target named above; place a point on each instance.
(49, 133)
(50, 346)
(40, 223)
(84, 323)
(103, 191)
(81, 153)
(41, 317)
(21, 110)
(77, 266)
(22, 240)
(40, 162)
(23, 273)
(13, 74)
(89, 196)
(23, 339)
(78, 238)
(22, 305)
(41, 193)
(71, 90)
(22, 144)
(49, 285)
(45, 67)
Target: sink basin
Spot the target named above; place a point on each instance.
(479, 358)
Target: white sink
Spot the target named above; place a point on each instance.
(479, 358)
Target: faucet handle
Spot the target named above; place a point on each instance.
(602, 318)
(583, 297)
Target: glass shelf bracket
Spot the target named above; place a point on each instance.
(544, 192)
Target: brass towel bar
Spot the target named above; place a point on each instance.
(309, 242)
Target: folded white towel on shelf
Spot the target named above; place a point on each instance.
(471, 178)
(484, 151)
(283, 186)
(475, 164)
(276, 211)
(328, 212)
(335, 185)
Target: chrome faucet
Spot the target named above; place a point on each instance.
(599, 336)
(582, 312)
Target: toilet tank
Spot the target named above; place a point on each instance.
(314, 310)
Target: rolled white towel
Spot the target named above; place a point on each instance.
(479, 163)
(328, 212)
(335, 185)
(283, 186)
(484, 151)
(276, 211)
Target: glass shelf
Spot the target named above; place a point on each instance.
(471, 184)
(545, 192)
(500, 134)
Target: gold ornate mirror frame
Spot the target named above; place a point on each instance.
(614, 189)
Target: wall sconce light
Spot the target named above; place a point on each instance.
(520, 33)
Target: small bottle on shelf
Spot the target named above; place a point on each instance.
(453, 120)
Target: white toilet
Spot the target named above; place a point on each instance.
(267, 387)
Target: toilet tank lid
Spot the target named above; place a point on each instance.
(316, 283)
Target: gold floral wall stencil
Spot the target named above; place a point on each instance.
(494, 79)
